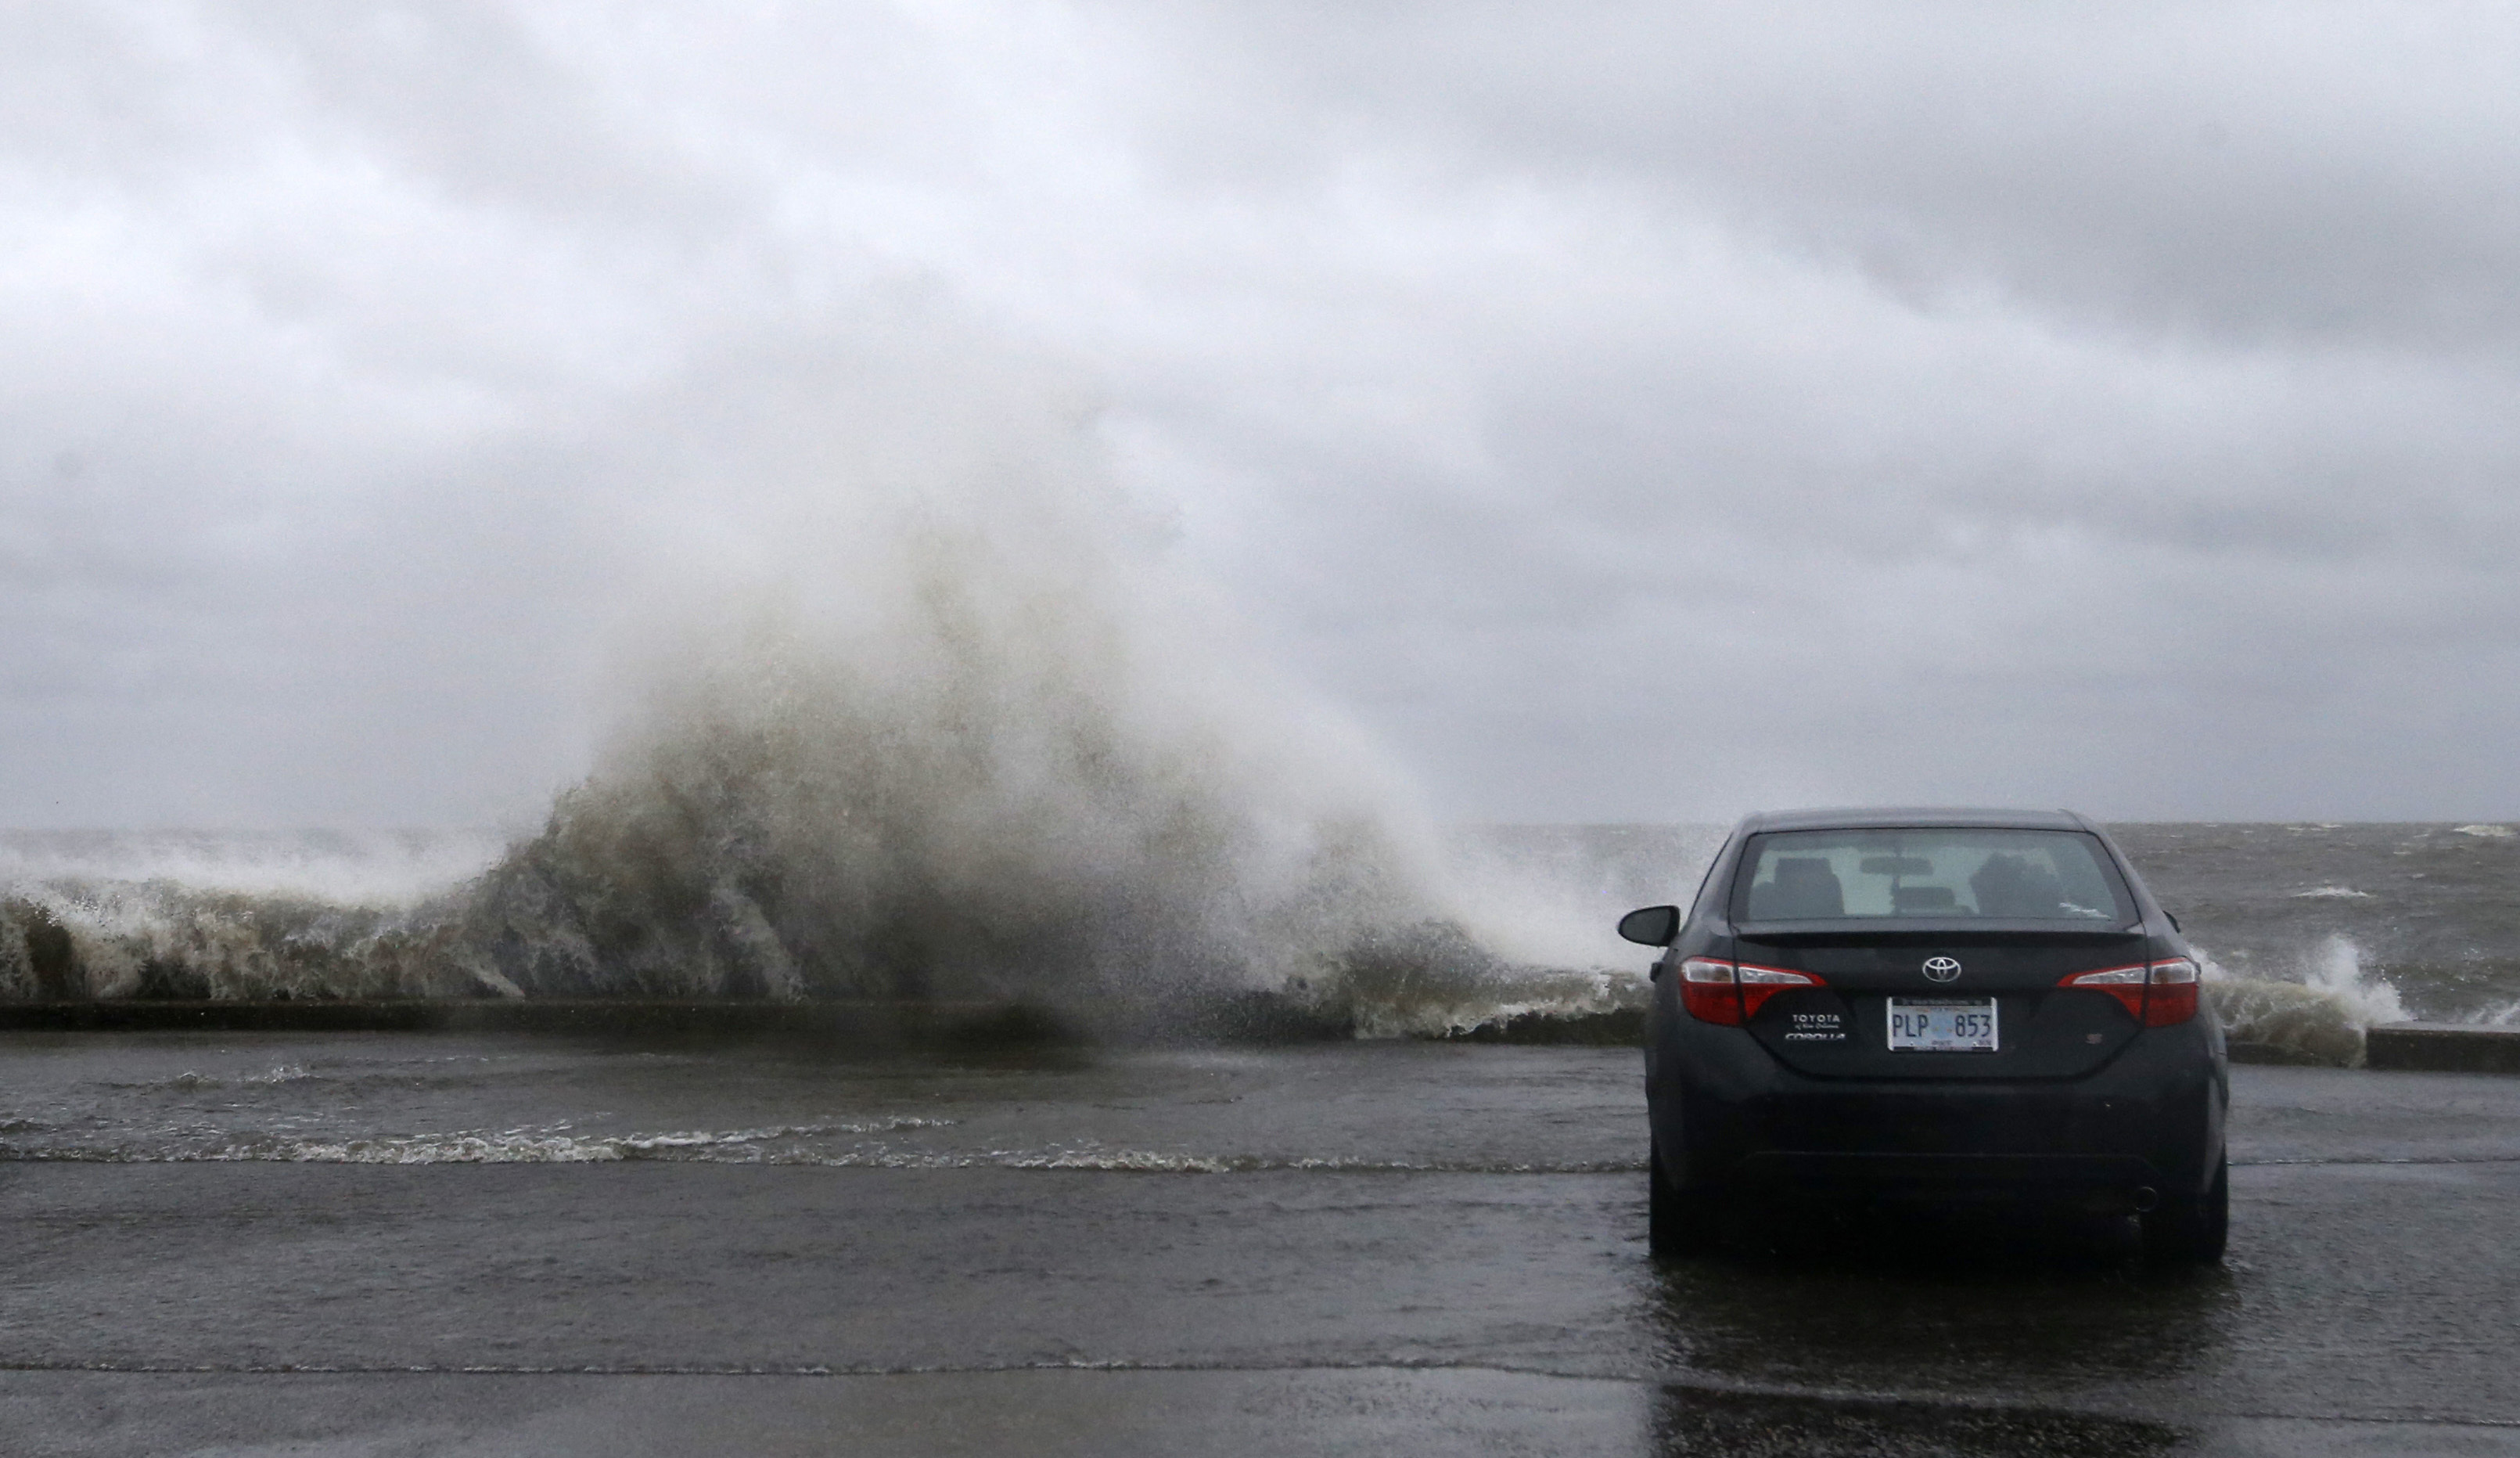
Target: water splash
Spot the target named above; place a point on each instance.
(992, 788)
(913, 701)
(1000, 793)
(991, 782)
(2319, 1019)
(2337, 971)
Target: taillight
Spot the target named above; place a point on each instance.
(1759, 984)
(1715, 991)
(2125, 983)
(2157, 995)
(1707, 990)
(2172, 994)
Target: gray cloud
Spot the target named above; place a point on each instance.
(2258, 171)
(1635, 412)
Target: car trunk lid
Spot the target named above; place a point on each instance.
(1844, 1028)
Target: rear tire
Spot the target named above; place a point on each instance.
(2195, 1229)
(1677, 1222)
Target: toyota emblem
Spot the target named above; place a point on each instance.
(1942, 968)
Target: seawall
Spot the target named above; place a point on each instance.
(2443, 1048)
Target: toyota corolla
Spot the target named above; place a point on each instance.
(1938, 1006)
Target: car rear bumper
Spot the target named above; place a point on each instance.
(2111, 1182)
(1728, 1116)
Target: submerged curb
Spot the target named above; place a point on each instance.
(2442, 1048)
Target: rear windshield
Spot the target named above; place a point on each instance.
(1929, 875)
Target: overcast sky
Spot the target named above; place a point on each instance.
(1627, 412)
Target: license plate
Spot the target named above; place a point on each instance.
(1942, 1024)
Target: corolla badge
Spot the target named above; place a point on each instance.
(1942, 968)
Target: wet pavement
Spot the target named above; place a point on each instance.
(387, 1245)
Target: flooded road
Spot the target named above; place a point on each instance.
(386, 1244)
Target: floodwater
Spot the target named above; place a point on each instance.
(425, 1244)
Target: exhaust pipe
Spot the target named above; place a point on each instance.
(2146, 1198)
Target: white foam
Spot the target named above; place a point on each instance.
(2486, 832)
(2336, 969)
(430, 1149)
(2332, 894)
(1147, 1162)
(550, 1146)
(380, 869)
(189, 1080)
(786, 1145)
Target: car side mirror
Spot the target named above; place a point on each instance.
(1651, 926)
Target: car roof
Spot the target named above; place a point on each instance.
(1912, 817)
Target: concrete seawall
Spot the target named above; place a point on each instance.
(2444, 1047)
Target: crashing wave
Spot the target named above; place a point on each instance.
(998, 794)
(2321, 1019)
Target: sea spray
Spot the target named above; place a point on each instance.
(980, 802)
(797, 818)
(925, 710)
(912, 700)
(2336, 971)
(2319, 1019)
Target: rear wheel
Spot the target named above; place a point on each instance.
(1677, 1222)
(2194, 1229)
